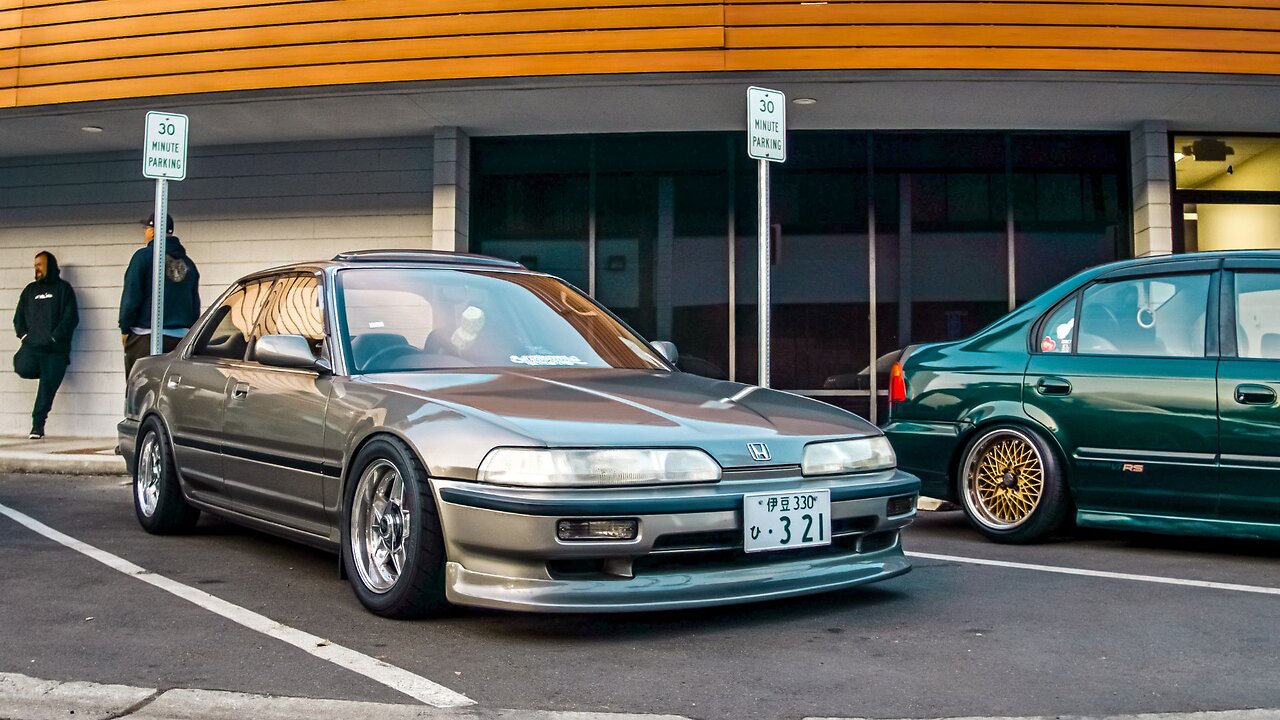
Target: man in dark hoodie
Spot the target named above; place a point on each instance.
(45, 320)
(181, 296)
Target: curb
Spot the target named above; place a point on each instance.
(54, 464)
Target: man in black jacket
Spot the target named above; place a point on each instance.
(181, 296)
(45, 320)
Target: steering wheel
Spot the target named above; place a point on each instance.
(396, 350)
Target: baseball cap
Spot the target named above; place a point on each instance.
(151, 221)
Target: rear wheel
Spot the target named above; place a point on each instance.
(157, 496)
(1011, 486)
(392, 545)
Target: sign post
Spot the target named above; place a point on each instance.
(164, 157)
(766, 142)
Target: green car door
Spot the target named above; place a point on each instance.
(1123, 373)
(1248, 387)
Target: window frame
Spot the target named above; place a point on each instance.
(1229, 341)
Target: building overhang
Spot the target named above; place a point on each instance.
(881, 100)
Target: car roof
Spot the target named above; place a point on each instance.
(396, 258)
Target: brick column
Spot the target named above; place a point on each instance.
(1152, 207)
(451, 190)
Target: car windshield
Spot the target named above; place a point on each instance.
(406, 319)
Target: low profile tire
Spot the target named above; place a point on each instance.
(1011, 486)
(157, 496)
(392, 546)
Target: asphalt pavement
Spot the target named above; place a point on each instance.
(1161, 625)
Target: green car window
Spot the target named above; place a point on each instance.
(1058, 333)
(1161, 316)
(1257, 322)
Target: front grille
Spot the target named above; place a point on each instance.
(732, 539)
(722, 550)
(875, 542)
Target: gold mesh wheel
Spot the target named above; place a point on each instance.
(1003, 479)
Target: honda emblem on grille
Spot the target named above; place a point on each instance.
(759, 451)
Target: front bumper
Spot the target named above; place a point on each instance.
(928, 450)
(503, 551)
(127, 433)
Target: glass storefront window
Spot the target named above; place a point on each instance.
(533, 204)
(1221, 226)
(1227, 162)
(1069, 208)
(1228, 195)
(670, 220)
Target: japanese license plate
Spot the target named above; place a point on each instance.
(784, 520)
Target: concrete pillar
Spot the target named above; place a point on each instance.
(1152, 187)
(451, 190)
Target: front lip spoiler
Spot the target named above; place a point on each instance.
(524, 505)
(672, 591)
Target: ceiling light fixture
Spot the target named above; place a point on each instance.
(91, 129)
(804, 101)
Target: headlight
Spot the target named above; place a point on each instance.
(848, 456)
(530, 467)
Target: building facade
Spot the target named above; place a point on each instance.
(947, 160)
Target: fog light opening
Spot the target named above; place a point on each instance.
(604, 529)
(901, 505)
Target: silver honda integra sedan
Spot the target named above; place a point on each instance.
(463, 430)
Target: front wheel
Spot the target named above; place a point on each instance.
(157, 496)
(1011, 486)
(392, 545)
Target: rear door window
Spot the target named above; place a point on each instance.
(1161, 316)
(1258, 315)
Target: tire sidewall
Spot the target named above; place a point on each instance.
(170, 504)
(402, 594)
(1054, 504)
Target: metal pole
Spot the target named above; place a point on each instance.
(733, 264)
(763, 228)
(159, 236)
(873, 377)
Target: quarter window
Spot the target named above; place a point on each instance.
(1152, 316)
(1058, 333)
(1257, 321)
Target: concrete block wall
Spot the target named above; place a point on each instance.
(1152, 189)
(241, 208)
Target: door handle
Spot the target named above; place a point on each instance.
(240, 391)
(1053, 386)
(174, 381)
(1255, 395)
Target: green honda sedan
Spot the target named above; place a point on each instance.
(1140, 395)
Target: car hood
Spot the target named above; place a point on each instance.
(565, 407)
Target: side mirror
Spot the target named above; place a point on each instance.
(286, 351)
(667, 350)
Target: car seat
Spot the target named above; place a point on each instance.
(1270, 346)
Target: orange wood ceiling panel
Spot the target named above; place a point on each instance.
(395, 71)
(383, 29)
(1095, 14)
(290, 57)
(99, 49)
(999, 36)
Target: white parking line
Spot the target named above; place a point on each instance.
(1260, 589)
(398, 679)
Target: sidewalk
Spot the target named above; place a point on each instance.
(62, 456)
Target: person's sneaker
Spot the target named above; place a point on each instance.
(36, 435)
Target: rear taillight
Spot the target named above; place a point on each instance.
(897, 385)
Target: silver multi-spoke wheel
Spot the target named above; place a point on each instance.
(381, 528)
(150, 473)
